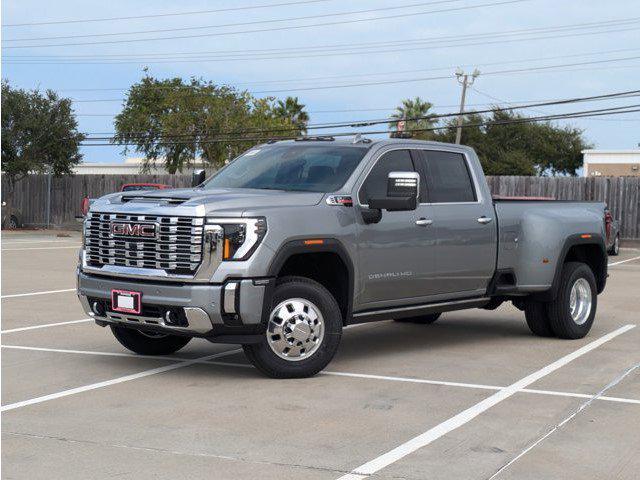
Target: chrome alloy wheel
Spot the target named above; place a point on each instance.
(295, 330)
(580, 301)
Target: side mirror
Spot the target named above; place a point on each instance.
(402, 192)
(198, 177)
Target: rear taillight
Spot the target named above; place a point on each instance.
(84, 206)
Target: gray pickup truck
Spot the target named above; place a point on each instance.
(294, 240)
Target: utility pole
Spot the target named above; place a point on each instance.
(466, 81)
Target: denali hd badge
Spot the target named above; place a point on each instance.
(146, 230)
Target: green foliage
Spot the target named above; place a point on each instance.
(509, 147)
(412, 108)
(176, 122)
(293, 111)
(39, 133)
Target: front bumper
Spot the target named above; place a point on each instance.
(206, 310)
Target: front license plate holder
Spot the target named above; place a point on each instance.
(126, 301)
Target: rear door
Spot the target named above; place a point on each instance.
(463, 225)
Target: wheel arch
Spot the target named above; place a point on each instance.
(588, 248)
(324, 260)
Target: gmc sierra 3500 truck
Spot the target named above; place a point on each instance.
(294, 240)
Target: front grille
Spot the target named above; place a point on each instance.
(176, 248)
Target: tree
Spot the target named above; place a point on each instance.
(413, 108)
(39, 133)
(509, 145)
(293, 111)
(177, 122)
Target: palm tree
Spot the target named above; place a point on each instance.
(413, 108)
(292, 110)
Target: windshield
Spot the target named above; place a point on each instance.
(308, 168)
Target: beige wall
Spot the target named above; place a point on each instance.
(613, 169)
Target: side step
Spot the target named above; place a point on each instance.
(416, 310)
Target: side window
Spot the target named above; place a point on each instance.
(375, 184)
(449, 178)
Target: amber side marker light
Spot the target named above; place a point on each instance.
(585, 235)
(227, 249)
(314, 242)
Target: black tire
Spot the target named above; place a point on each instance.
(558, 310)
(537, 318)
(268, 362)
(421, 319)
(148, 344)
(615, 248)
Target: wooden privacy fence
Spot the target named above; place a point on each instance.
(30, 195)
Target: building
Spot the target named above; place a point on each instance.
(131, 166)
(611, 163)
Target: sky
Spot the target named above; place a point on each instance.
(342, 62)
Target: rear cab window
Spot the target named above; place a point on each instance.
(448, 177)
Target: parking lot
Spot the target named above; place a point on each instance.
(473, 396)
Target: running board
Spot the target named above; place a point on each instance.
(416, 310)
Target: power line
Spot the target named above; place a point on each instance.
(236, 24)
(361, 123)
(289, 27)
(348, 76)
(327, 47)
(400, 81)
(160, 15)
(504, 102)
(396, 48)
(579, 114)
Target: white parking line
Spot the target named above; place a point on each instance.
(470, 413)
(47, 292)
(39, 248)
(73, 289)
(114, 381)
(46, 325)
(329, 373)
(624, 261)
(558, 426)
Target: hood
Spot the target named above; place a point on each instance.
(224, 200)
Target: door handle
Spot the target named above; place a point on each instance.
(423, 222)
(484, 220)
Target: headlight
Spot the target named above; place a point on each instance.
(241, 236)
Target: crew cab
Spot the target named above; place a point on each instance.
(294, 240)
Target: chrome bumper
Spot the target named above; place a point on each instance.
(198, 320)
(235, 303)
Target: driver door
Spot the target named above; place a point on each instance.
(395, 257)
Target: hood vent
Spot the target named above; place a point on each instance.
(149, 199)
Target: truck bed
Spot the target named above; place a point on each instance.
(532, 233)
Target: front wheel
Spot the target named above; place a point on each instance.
(148, 343)
(572, 313)
(303, 331)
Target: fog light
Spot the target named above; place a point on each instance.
(170, 317)
(98, 308)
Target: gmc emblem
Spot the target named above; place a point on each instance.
(146, 230)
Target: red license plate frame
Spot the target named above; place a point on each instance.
(136, 301)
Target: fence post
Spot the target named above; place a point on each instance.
(48, 217)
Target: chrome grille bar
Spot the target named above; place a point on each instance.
(176, 249)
